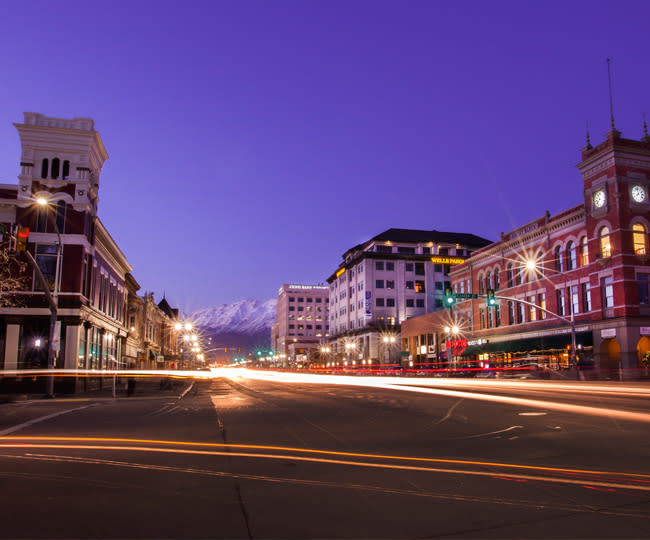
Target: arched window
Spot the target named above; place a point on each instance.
(45, 165)
(639, 238)
(488, 281)
(66, 169)
(60, 216)
(558, 259)
(584, 252)
(605, 244)
(480, 284)
(509, 275)
(496, 279)
(571, 256)
(41, 218)
(55, 168)
(518, 275)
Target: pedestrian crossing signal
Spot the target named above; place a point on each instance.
(22, 235)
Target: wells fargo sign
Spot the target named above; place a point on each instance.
(447, 260)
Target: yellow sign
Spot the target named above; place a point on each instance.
(340, 272)
(447, 260)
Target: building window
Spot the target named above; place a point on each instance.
(541, 302)
(497, 284)
(410, 303)
(426, 251)
(605, 244)
(488, 280)
(390, 302)
(639, 238)
(571, 256)
(419, 287)
(607, 292)
(419, 269)
(518, 275)
(379, 284)
(521, 315)
(46, 261)
(379, 302)
(379, 265)
(558, 259)
(584, 252)
(642, 283)
(438, 303)
(561, 306)
(586, 298)
(480, 284)
(575, 299)
(443, 251)
(419, 302)
(532, 311)
(383, 249)
(509, 275)
(56, 163)
(300, 308)
(390, 284)
(292, 299)
(45, 165)
(409, 285)
(390, 266)
(66, 170)
(482, 317)
(60, 216)
(511, 313)
(406, 250)
(319, 300)
(409, 267)
(292, 308)
(310, 300)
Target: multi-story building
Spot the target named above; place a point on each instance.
(88, 275)
(396, 275)
(589, 264)
(301, 322)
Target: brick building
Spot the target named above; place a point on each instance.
(589, 264)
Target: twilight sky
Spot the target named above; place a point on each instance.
(252, 143)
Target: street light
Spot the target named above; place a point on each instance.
(43, 202)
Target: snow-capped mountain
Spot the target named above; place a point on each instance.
(245, 316)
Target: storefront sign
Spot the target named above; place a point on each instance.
(608, 333)
(477, 342)
(56, 342)
(447, 260)
(457, 344)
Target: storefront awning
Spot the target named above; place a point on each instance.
(531, 345)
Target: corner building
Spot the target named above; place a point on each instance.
(396, 275)
(61, 161)
(591, 264)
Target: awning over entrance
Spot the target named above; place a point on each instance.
(531, 345)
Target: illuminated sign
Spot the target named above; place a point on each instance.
(340, 272)
(308, 287)
(478, 342)
(447, 260)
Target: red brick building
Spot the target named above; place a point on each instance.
(591, 264)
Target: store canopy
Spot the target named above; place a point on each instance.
(538, 344)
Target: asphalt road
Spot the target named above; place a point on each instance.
(239, 457)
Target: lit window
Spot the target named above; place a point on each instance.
(605, 244)
(584, 252)
(639, 235)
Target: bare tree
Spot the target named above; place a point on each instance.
(12, 277)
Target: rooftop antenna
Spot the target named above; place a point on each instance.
(646, 137)
(588, 146)
(611, 101)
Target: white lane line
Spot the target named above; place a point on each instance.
(532, 413)
(39, 419)
(489, 433)
(187, 390)
(449, 412)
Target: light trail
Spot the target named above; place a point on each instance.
(313, 451)
(645, 487)
(395, 383)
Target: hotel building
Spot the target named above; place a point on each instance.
(396, 275)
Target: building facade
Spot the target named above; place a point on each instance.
(301, 322)
(584, 272)
(394, 276)
(87, 273)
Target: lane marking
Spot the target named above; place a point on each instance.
(320, 483)
(365, 464)
(532, 413)
(324, 452)
(489, 433)
(39, 419)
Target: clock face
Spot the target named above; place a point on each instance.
(599, 198)
(638, 193)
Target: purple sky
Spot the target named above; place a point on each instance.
(252, 143)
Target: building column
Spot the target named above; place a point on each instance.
(11, 346)
(628, 337)
(71, 346)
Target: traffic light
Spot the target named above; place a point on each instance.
(450, 299)
(226, 349)
(22, 235)
(491, 299)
